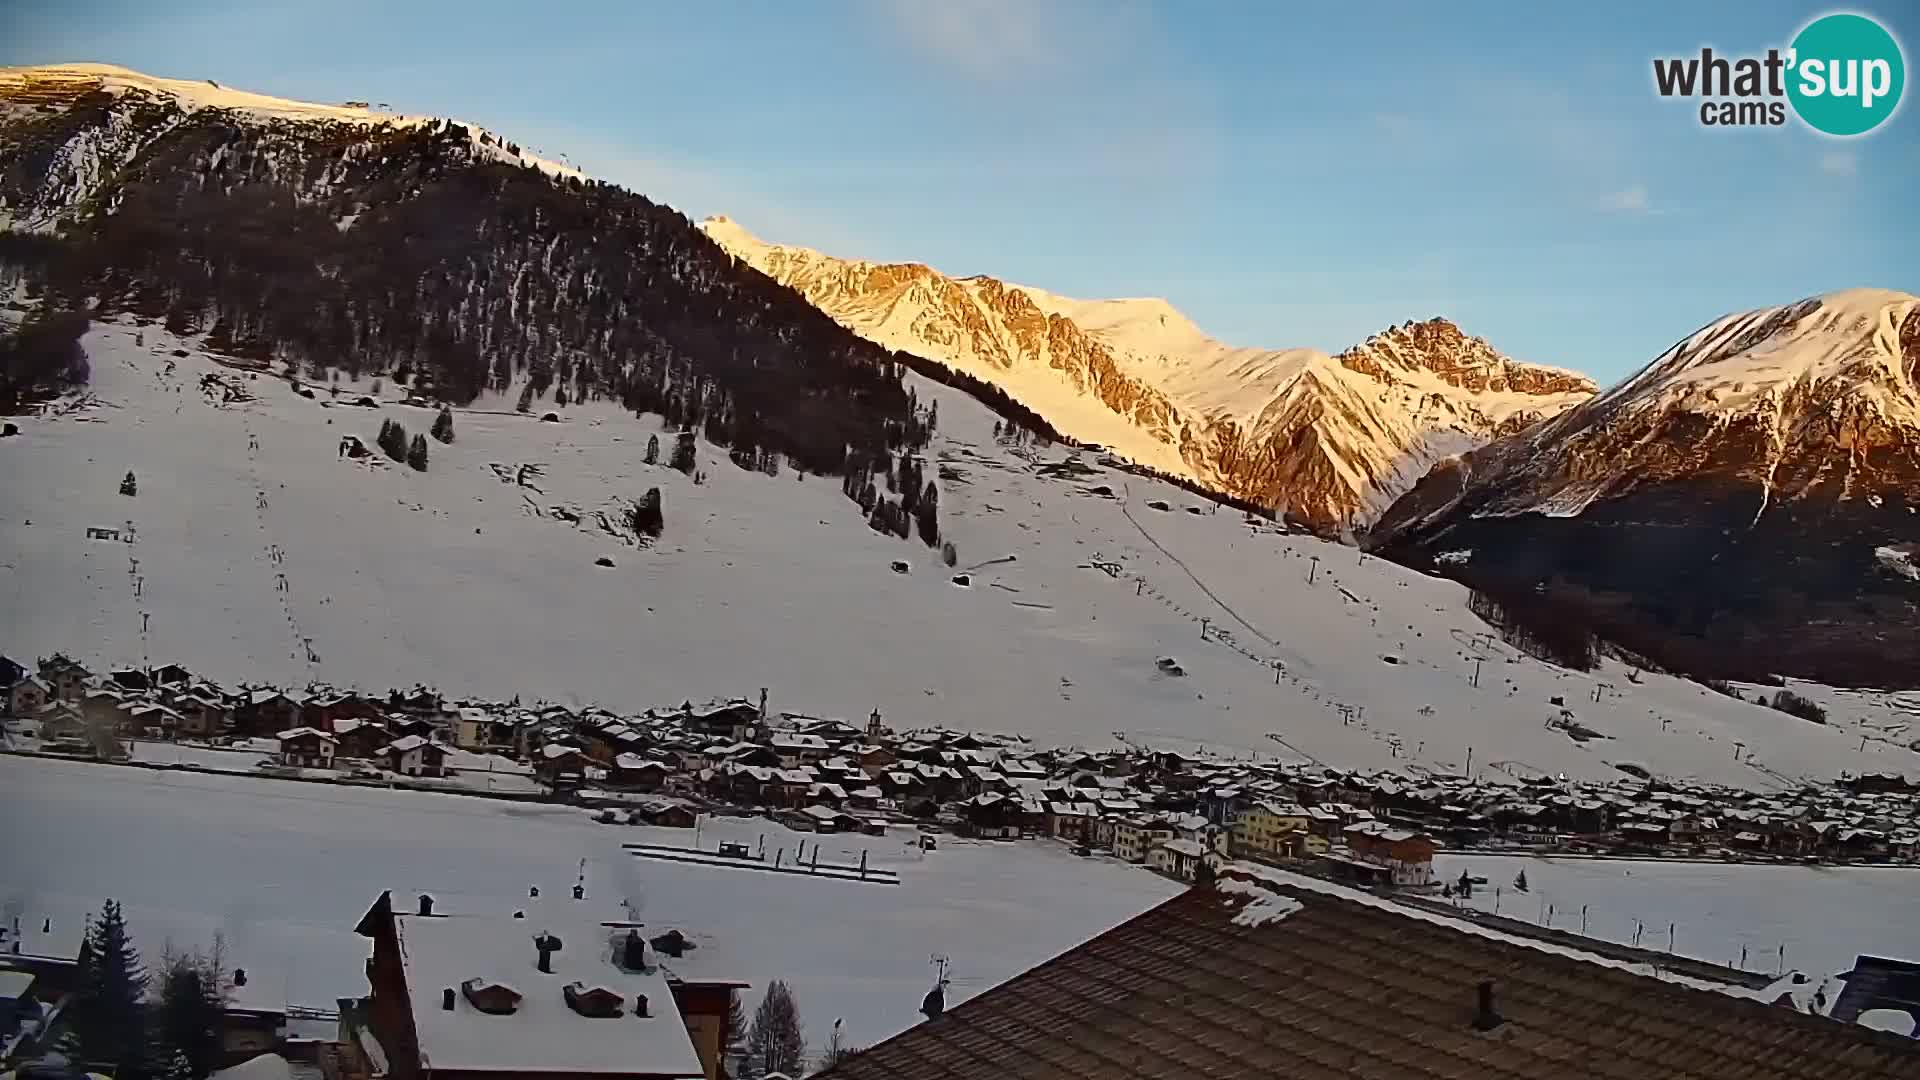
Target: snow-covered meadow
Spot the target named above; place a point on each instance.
(283, 870)
(1790, 918)
(260, 553)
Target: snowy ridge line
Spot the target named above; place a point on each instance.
(1331, 438)
(54, 81)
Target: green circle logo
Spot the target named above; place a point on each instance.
(1846, 74)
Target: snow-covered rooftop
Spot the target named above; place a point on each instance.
(544, 1033)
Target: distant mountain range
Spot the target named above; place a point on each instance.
(1749, 501)
(1329, 440)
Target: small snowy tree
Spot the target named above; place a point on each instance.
(417, 454)
(443, 425)
(647, 518)
(127, 485)
(653, 450)
(683, 453)
(775, 1042)
(948, 555)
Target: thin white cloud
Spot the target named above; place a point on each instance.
(1840, 163)
(985, 38)
(1394, 125)
(1632, 199)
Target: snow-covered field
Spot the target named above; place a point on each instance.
(284, 870)
(261, 554)
(1822, 917)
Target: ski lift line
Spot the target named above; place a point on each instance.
(1128, 514)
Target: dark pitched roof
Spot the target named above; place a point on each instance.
(1340, 988)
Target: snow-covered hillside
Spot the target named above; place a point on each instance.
(1331, 439)
(258, 552)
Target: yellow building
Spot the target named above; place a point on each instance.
(1271, 828)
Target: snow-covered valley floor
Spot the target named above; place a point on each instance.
(1793, 918)
(258, 552)
(284, 870)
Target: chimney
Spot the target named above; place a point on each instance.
(633, 952)
(533, 890)
(239, 976)
(426, 904)
(640, 1006)
(1486, 1018)
(446, 999)
(579, 892)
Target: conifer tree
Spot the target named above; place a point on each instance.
(443, 425)
(647, 517)
(653, 450)
(417, 454)
(109, 1019)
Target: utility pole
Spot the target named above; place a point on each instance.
(1313, 568)
(1470, 764)
(1476, 672)
(1203, 628)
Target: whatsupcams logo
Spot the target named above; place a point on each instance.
(1842, 75)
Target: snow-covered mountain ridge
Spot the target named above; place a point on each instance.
(78, 170)
(1331, 439)
(1743, 487)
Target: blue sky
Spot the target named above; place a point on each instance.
(1285, 175)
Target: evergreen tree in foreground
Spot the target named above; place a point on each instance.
(443, 425)
(653, 450)
(774, 1042)
(108, 1017)
(192, 998)
(417, 454)
(128, 486)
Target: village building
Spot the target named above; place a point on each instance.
(306, 748)
(1181, 859)
(550, 995)
(360, 739)
(1135, 837)
(67, 679)
(27, 696)
(1400, 857)
(267, 710)
(412, 755)
(631, 772)
(1278, 830)
(202, 715)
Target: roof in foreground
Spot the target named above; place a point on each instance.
(543, 1034)
(1273, 979)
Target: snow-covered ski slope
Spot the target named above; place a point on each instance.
(259, 553)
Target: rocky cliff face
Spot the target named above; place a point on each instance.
(1328, 439)
(1750, 498)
